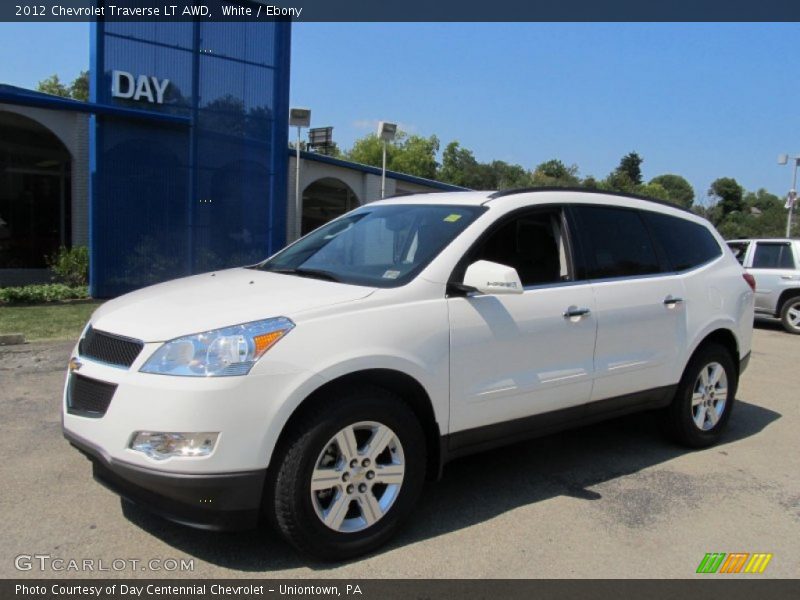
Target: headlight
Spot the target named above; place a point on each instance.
(220, 352)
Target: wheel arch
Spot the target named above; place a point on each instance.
(724, 337)
(407, 387)
(785, 295)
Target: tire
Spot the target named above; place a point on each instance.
(364, 504)
(700, 412)
(790, 315)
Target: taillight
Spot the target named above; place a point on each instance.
(751, 281)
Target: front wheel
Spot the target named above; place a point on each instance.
(351, 472)
(790, 315)
(704, 400)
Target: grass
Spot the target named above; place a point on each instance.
(57, 321)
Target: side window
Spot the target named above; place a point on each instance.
(686, 244)
(771, 255)
(739, 250)
(616, 242)
(533, 244)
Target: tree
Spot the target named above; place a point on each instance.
(53, 86)
(728, 194)
(460, 167)
(415, 155)
(627, 177)
(631, 164)
(679, 191)
(590, 183)
(554, 173)
(77, 90)
(653, 190)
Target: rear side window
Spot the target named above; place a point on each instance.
(771, 255)
(615, 242)
(739, 250)
(686, 244)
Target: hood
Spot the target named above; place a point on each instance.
(213, 300)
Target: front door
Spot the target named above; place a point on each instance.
(515, 356)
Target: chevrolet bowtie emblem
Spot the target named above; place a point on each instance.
(74, 364)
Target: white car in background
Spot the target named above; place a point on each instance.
(774, 263)
(320, 388)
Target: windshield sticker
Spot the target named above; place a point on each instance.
(452, 218)
(391, 274)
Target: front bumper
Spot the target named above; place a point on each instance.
(227, 501)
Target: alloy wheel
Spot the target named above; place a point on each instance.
(357, 476)
(709, 396)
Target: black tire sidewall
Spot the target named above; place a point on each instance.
(295, 513)
(785, 314)
(681, 421)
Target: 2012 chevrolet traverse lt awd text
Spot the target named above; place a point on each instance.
(318, 389)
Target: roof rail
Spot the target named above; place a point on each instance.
(512, 191)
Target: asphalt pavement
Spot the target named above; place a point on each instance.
(610, 500)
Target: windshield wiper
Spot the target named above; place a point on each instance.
(312, 273)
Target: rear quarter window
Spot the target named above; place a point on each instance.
(686, 244)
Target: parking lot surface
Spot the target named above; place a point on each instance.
(611, 500)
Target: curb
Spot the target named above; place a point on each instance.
(11, 339)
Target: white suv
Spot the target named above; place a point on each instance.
(775, 266)
(320, 388)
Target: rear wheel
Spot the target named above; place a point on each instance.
(790, 315)
(703, 402)
(352, 470)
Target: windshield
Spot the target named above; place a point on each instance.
(382, 246)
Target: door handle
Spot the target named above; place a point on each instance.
(671, 301)
(789, 277)
(574, 311)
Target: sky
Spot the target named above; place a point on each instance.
(699, 100)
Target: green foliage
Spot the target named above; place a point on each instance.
(756, 214)
(417, 156)
(554, 173)
(62, 321)
(679, 191)
(728, 194)
(52, 85)
(631, 165)
(412, 154)
(762, 215)
(460, 167)
(77, 90)
(653, 190)
(590, 183)
(71, 265)
(618, 181)
(36, 294)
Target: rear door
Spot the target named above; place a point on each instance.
(641, 320)
(773, 267)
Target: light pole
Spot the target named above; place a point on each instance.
(386, 131)
(790, 198)
(298, 117)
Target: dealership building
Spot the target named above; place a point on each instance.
(178, 164)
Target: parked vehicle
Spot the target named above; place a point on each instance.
(775, 266)
(321, 387)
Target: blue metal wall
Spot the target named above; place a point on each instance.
(203, 187)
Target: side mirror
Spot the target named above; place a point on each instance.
(492, 278)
